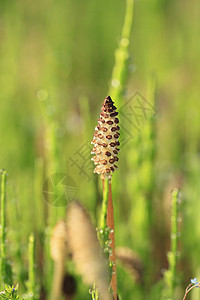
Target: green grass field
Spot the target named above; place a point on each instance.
(58, 61)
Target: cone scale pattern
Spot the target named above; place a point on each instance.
(106, 141)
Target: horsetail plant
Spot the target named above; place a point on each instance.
(5, 268)
(39, 206)
(170, 274)
(31, 283)
(106, 151)
(3, 225)
(10, 292)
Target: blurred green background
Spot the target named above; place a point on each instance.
(56, 62)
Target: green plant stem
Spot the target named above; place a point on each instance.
(94, 294)
(189, 288)
(169, 275)
(174, 231)
(104, 204)
(148, 135)
(39, 205)
(128, 19)
(107, 221)
(48, 264)
(120, 70)
(3, 225)
(31, 269)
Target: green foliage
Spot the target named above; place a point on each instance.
(58, 59)
(10, 292)
(94, 293)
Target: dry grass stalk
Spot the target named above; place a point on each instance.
(86, 250)
(58, 254)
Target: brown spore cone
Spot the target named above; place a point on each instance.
(106, 141)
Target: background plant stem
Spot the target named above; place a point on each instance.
(31, 270)
(170, 274)
(174, 232)
(120, 70)
(3, 225)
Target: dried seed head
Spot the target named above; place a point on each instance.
(59, 242)
(106, 140)
(86, 250)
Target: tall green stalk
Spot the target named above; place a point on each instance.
(170, 274)
(39, 203)
(120, 70)
(31, 285)
(172, 255)
(5, 268)
(103, 228)
(104, 204)
(3, 226)
(149, 156)
(48, 263)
